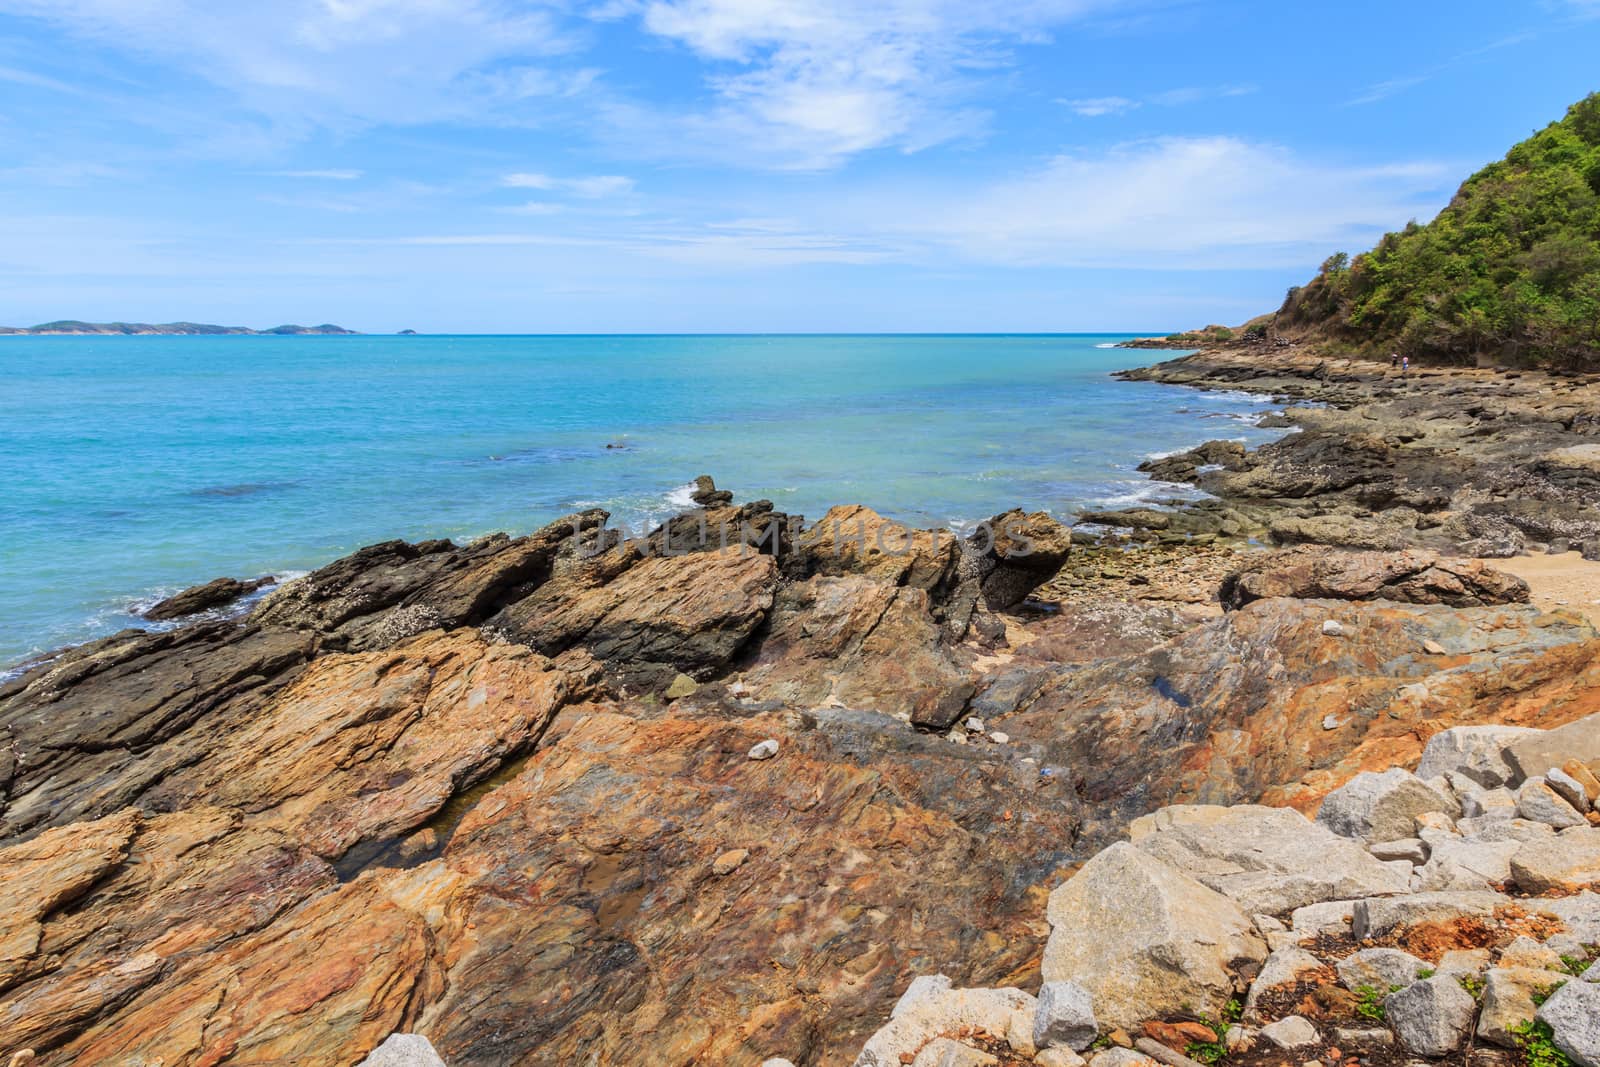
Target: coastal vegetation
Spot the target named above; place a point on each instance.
(1509, 270)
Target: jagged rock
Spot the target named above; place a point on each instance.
(1380, 968)
(1568, 788)
(1490, 804)
(1569, 860)
(403, 1050)
(706, 494)
(1468, 864)
(1573, 1014)
(860, 642)
(1537, 802)
(1145, 939)
(1477, 752)
(1128, 519)
(762, 750)
(1431, 1017)
(1267, 860)
(1412, 576)
(1536, 754)
(1013, 553)
(1291, 1033)
(1381, 807)
(936, 1012)
(857, 540)
(1065, 1016)
(1586, 779)
(213, 594)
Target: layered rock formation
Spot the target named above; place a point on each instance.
(718, 794)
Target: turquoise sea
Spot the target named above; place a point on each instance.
(134, 466)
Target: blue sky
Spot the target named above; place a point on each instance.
(740, 165)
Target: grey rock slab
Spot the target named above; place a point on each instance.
(1064, 1016)
(1267, 860)
(1569, 788)
(1382, 807)
(1568, 860)
(1147, 940)
(1477, 752)
(1573, 1013)
(1431, 1017)
(1469, 864)
(1534, 755)
(1538, 802)
(1377, 916)
(403, 1050)
(1508, 1002)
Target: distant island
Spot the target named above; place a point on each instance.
(198, 329)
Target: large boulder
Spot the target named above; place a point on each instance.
(1375, 807)
(1573, 1015)
(1269, 861)
(1537, 802)
(1146, 940)
(1476, 752)
(1432, 1017)
(1412, 576)
(1536, 754)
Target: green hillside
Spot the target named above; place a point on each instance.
(1510, 270)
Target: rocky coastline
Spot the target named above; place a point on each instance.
(756, 789)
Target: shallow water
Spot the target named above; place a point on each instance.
(134, 466)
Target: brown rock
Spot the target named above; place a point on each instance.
(1411, 577)
(213, 594)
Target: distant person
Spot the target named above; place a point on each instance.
(1405, 365)
(1394, 360)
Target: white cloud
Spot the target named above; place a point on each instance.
(811, 84)
(595, 187)
(1095, 106)
(318, 175)
(1172, 203)
(327, 62)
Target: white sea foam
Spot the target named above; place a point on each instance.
(682, 497)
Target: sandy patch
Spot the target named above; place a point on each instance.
(1566, 581)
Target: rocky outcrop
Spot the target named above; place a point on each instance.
(567, 798)
(1462, 461)
(1410, 577)
(217, 593)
